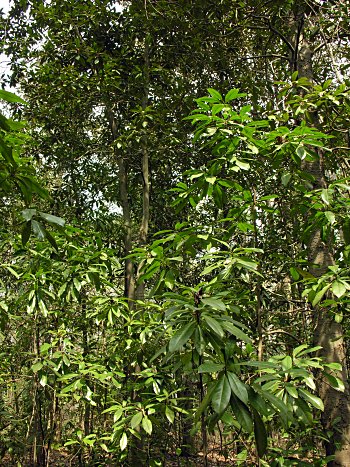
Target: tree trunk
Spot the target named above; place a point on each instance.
(143, 232)
(327, 332)
(129, 279)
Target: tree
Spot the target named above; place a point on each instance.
(209, 322)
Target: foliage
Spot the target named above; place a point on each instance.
(219, 338)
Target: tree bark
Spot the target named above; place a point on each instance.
(129, 279)
(143, 232)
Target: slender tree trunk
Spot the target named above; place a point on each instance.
(143, 232)
(327, 332)
(129, 279)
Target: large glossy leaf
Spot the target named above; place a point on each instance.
(221, 395)
(335, 382)
(214, 93)
(147, 425)
(214, 303)
(281, 407)
(242, 413)
(287, 363)
(52, 219)
(259, 433)
(181, 336)
(26, 230)
(311, 398)
(232, 329)
(214, 325)
(28, 214)
(338, 288)
(257, 402)
(169, 413)
(238, 388)
(136, 420)
(11, 97)
(38, 230)
(210, 367)
(123, 442)
(320, 294)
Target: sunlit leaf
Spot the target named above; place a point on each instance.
(123, 441)
(312, 399)
(147, 425)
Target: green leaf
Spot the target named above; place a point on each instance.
(294, 273)
(43, 308)
(221, 395)
(325, 195)
(320, 294)
(181, 336)
(12, 271)
(36, 367)
(235, 331)
(338, 288)
(123, 441)
(242, 414)
(170, 415)
(301, 152)
(338, 317)
(51, 239)
(45, 347)
(215, 94)
(27, 228)
(217, 108)
(259, 433)
(292, 390)
(238, 387)
(213, 325)
(43, 380)
(287, 363)
(38, 230)
(147, 425)
(210, 180)
(199, 341)
(6, 151)
(312, 399)
(4, 123)
(335, 382)
(11, 97)
(304, 349)
(214, 303)
(242, 165)
(257, 402)
(136, 420)
(285, 179)
(279, 405)
(52, 219)
(28, 214)
(232, 94)
(333, 366)
(330, 216)
(210, 367)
